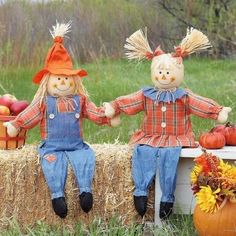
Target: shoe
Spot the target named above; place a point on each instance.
(59, 206)
(140, 203)
(86, 201)
(165, 210)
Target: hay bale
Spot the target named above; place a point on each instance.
(24, 194)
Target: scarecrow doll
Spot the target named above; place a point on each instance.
(166, 126)
(59, 105)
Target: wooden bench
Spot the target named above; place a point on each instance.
(184, 199)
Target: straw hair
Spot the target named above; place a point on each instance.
(60, 29)
(194, 41)
(79, 87)
(137, 45)
(42, 90)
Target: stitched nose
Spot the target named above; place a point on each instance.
(63, 82)
(163, 77)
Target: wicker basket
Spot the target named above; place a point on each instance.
(6, 142)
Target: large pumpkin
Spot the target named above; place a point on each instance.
(220, 223)
(212, 140)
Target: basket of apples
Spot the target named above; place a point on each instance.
(10, 107)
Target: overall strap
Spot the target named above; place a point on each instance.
(51, 105)
(77, 104)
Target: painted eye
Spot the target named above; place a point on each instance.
(160, 72)
(167, 72)
(66, 78)
(58, 78)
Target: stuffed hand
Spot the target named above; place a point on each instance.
(109, 110)
(223, 114)
(115, 121)
(11, 130)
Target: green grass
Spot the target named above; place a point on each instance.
(106, 81)
(181, 226)
(109, 79)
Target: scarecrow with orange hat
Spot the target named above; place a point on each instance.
(59, 105)
(166, 127)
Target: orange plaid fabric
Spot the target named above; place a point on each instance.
(166, 124)
(35, 114)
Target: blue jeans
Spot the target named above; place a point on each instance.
(145, 162)
(63, 145)
(55, 164)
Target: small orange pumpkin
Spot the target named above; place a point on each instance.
(229, 131)
(212, 140)
(220, 223)
(230, 134)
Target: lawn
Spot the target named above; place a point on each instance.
(107, 80)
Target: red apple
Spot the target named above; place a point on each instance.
(18, 106)
(12, 97)
(4, 110)
(6, 101)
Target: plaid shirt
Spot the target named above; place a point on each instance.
(166, 124)
(35, 114)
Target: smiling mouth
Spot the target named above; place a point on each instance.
(159, 81)
(62, 90)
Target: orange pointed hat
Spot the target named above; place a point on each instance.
(58, 60)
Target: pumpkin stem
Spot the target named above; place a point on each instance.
(228, 124)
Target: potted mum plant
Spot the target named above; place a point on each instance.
(214, 185)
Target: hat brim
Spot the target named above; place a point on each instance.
(38, 77)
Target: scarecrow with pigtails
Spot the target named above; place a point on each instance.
(166, 127)
(60, 105)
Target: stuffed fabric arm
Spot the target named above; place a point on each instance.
(130, 105)
(203, 107)
(96, 114)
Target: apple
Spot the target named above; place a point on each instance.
(18, 106)
(4, 110)
(12, 97)
(6, 101)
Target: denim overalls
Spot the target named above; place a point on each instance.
(147, 160)
(62, 145)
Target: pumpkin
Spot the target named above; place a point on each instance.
(212, 140)
(229, 131)
(219, 129)
(230, 134)
(220, 223)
